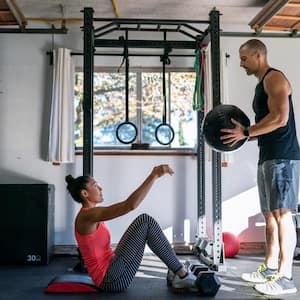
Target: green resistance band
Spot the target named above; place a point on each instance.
(198, 98)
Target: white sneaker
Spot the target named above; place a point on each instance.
(170, 277)
(188, 282)
(279, 285)
(261, 275)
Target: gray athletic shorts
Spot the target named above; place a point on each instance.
(278, 183)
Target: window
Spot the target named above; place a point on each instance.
(145, 108)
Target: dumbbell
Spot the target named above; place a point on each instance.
(196, 269)
(207, 283)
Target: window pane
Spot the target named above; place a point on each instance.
(109, 107)
(183, 118)
(78, 114)
(152, 106)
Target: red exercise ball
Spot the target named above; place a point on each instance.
(231, 244)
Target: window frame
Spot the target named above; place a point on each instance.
(126, 149)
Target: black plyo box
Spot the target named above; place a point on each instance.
(26, 223)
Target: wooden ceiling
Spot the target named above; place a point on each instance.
(10, 14)
(278, 15)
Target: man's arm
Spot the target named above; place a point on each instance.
(278, 90)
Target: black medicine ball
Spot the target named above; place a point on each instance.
(218, 118)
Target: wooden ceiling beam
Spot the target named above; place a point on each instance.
(6, 17)
(5, 23)
(293, 4)
(5, 13)
(17, 13)
(279, 28)
(287, 17)
(266, 14)
(115, 7)
(295, 24)
(55, 20)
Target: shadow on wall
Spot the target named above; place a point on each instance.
(46, 112)
(9, 177)
(242, 216)
(66, 210)
(179, 210)
(255, 229)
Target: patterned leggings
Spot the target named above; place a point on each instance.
(130, 250)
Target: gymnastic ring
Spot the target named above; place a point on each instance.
(127, 139)
(171, 133)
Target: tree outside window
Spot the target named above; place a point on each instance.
(145, 107)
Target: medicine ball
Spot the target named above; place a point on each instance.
(218, 118)
(231, 244)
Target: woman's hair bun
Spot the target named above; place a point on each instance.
(69, 178)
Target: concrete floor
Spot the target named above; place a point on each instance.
(28, 282)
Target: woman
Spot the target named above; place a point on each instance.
(113, 271)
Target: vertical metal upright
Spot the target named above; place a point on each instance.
(88, 91)
(201, 213)
(216, 156)
(210, 251)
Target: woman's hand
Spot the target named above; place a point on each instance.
(161, 170)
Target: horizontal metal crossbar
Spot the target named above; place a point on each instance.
(35, 30)
(145, 44)
(150, 21)
(155, 25)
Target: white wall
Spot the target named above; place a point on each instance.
(24, 116)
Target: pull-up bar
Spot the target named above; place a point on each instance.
(150, 21)
(145, 44)
(154, 25)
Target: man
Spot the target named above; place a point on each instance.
(278, 167)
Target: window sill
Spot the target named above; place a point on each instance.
(149, 152)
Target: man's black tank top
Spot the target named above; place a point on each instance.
(281, 143)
